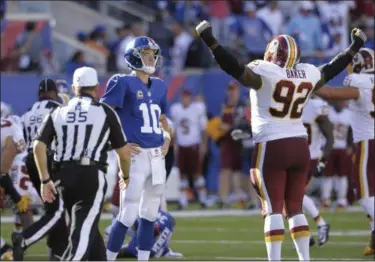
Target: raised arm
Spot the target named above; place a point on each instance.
(342, 60)
(226, 60)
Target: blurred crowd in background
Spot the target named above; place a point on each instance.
(320, 27)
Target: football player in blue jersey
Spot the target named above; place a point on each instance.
(163, 230)
(141, 103)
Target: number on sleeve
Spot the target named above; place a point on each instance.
(284, 94)
(308, 130)
(155, 115)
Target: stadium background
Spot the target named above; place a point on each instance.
(63, 26)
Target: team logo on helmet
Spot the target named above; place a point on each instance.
(363, 62)
(283, 51)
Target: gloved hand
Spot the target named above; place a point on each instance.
(238, 134)
(23, 204)
(358, 38)
(320, 167)
(204, 30)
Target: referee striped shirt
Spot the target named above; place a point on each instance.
(82, 128)
(32, 120)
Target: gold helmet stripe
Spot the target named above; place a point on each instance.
(293, 51)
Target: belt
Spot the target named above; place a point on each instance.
(81, 162)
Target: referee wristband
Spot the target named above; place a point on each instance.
(46, 181)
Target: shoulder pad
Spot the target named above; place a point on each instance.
(263, 68)
(320, 106)
(353, 80)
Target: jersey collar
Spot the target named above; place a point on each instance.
(86, 95)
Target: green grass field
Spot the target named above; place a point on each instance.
(241, 238)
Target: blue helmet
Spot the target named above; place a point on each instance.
(138, 61)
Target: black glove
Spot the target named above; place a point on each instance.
(320, 167)
(204, 30)
(358, 38)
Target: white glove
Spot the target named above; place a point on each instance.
(172, 254)
(238, 134)
(201, 26)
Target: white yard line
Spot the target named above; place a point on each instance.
(254, 242)
(198, 213)
(230, 258)
(250, 230)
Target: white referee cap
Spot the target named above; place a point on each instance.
(85, 76)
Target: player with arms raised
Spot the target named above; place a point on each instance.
(280, 87)
(141, 103)
(360, 88)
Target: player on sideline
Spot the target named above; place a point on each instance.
(141, 103)
(280, 87)
(359, 86)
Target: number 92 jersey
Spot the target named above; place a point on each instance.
(362, 122)
(139, 107)
(276, 107)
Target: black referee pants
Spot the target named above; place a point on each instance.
(53, 220)
(83, 189)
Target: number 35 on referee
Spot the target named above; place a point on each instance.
(81, 131)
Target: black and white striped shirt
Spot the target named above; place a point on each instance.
(82, 128)
(32, 120)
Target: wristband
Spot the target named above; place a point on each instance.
(46, 181)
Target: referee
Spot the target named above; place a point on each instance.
(53, 220)
(82, 130)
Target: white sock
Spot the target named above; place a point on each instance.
(199, 185)
(143, 255)
(111, 256)
(342, 190)
(2, 242)
(311, 209)
(300, 232)
(274, 235)
(163, 203)
(326, 188)
(368, 205)
(183, 194)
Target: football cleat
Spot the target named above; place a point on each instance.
(172, 254)
(323, 234)
(7, 256)
(370, 250)
(18, 250)
(312, 242)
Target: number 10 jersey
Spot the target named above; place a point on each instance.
(276, 107)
